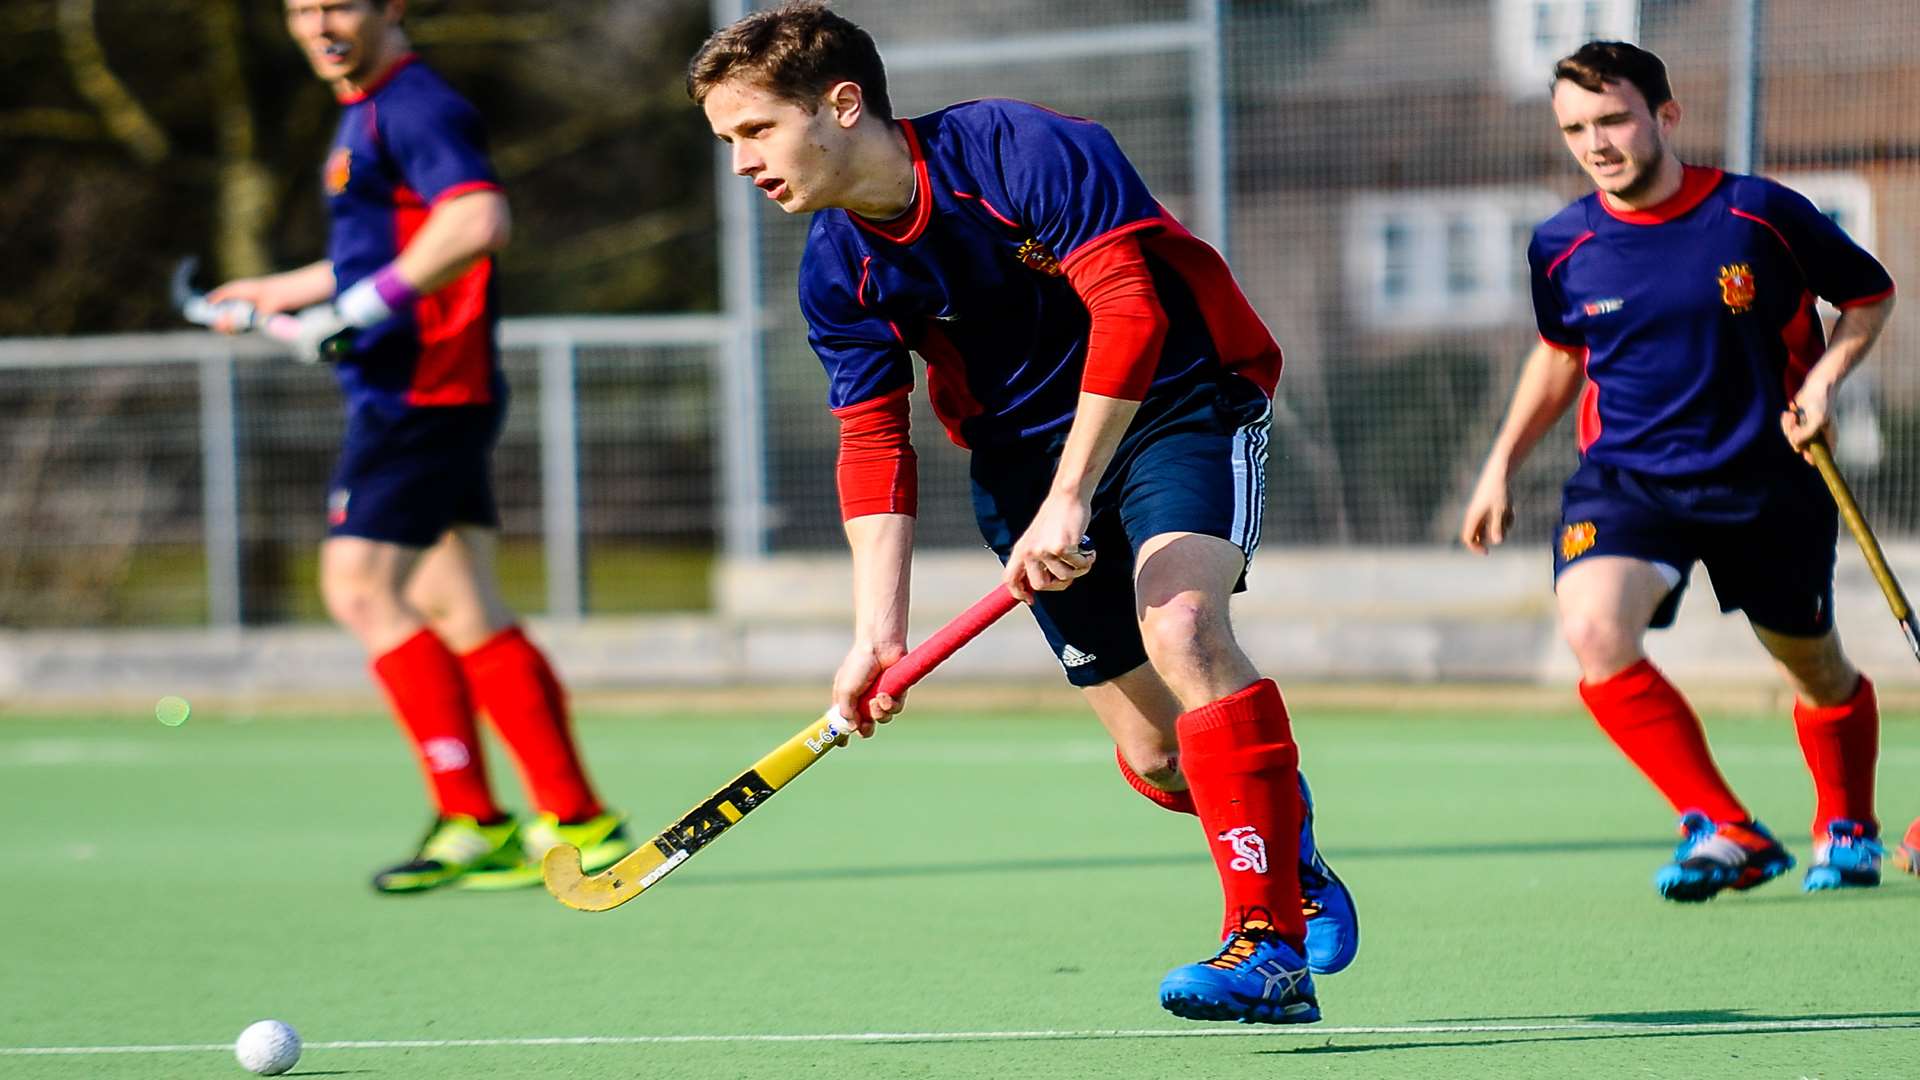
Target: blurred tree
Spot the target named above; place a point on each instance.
(134, 131)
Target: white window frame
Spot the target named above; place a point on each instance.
(1530, 35)
(1427, 296)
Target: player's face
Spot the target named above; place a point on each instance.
(343, 39)
(794, 156)
(1618, 141)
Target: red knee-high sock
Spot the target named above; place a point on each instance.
(1912, 838)
(513, 683)
(1242, 770)
(423, 683)
(1655, 727)
(1841, 743)
(1180, 802)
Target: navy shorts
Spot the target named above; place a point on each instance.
(1194, 460)
(1766, 536)
(406, 478)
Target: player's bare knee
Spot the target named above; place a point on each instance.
(1600, 643)
(1181, 635)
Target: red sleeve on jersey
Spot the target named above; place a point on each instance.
(1129, 325)
(878, 471)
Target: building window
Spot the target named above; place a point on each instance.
(1530, 35)
(1443, 258)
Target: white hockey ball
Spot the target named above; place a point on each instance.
(267, 1047)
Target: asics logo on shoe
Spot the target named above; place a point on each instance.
(1072, 657)
(1249, 850)
(1281, 980)
(446, 754)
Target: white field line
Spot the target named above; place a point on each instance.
(1729, 1027)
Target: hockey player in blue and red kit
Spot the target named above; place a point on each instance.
(408, 563)
(1683, 298)
(1111, 382)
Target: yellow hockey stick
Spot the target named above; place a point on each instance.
(646, 865)
(1869, 546)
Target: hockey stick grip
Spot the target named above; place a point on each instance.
(946, 641)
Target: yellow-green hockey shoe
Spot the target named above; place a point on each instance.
(602, 840)
(454, 847)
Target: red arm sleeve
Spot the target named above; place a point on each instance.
(878, 471)
(1129, 325)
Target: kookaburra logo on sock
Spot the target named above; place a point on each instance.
(446, 754)
(1249, 851)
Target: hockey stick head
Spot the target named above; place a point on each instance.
(570, 883)
(180, 286)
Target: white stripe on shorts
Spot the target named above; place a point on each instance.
(1250, 481)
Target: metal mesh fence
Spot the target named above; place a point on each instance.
(126, 505)
(1387, 161)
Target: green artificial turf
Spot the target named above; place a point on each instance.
(981, 887)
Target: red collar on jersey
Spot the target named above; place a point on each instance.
(1696, 183)
(379, 81)
(906, 228)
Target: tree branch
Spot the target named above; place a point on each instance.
(118, 109)
(68, 125)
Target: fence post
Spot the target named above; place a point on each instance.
(1743, 86)
(220, 488)
(1207, 86)
(742, 426)
(560, 477)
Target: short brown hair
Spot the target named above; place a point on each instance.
(796, 50)
(1597, 63)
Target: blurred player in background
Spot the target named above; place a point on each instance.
(1683, 298)
(1111, 382)
(408, 565)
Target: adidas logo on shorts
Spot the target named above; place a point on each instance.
(1073, 657)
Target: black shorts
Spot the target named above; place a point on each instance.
(1766, 536)
(406, 478)
(1194, 460)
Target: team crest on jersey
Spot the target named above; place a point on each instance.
(1576, 539)
(339, 168)
(1035, 255)
(1736, 287)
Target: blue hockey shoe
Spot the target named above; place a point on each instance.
(1848, 858)
(1333, 926)
(1716, 856)
(1256, 979)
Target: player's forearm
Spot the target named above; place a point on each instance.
(1099, 423)
(310, 284)
(458, 231)
(882, 546)
(1853, 337)
(1549, 382)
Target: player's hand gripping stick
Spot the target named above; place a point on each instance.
(316, 333)
(655, 859)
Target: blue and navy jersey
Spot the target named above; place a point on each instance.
(973, 276)
(405, 143)
(1695, 317)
